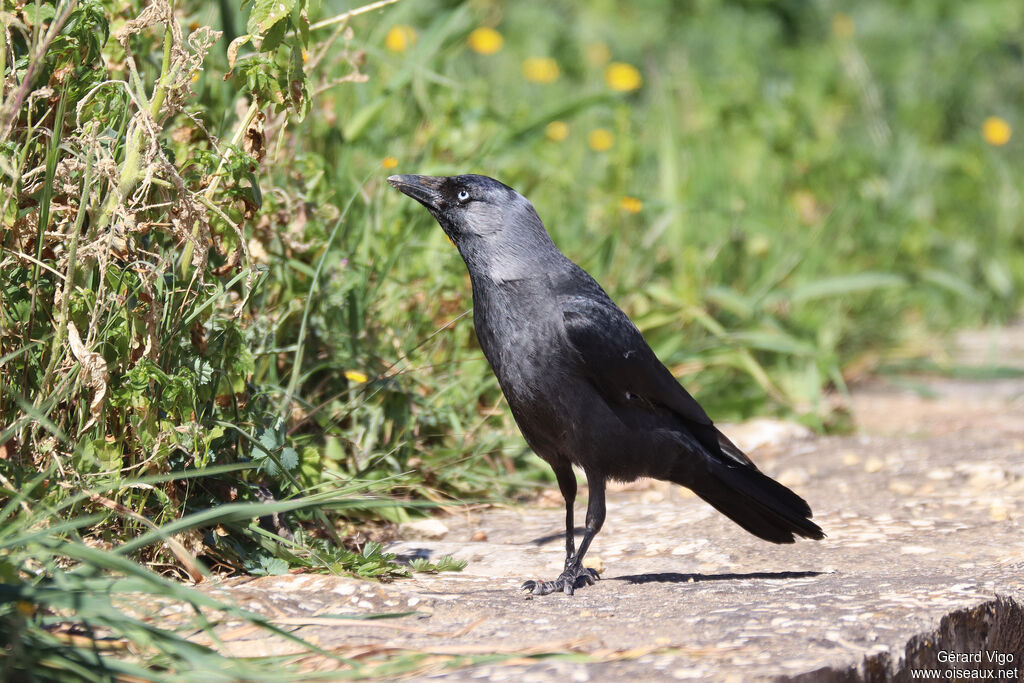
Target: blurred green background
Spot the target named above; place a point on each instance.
(783, 194)
(787, 197)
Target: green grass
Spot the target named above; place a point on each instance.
(212, 311)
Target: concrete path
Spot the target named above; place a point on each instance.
(921, 570)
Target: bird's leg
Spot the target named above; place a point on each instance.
(595, 520)
(567, 485)
(575, 574)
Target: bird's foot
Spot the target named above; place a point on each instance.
(567, 582)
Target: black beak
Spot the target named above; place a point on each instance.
(423, 188)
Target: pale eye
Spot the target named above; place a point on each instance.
(463, 195)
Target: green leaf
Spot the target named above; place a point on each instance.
(270, 439)
(204, 370)
(774, 340)
(842, 285)
(949, 281)
(101, 455)
(272, 39)
(420, 564)
(730, 300)
(298, 84)
(998, 277)
(265, 565)
(289, 458)
(358, 121)
(37, 14)
(266, 13)
(447, 563)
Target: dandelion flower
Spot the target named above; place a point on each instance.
(759, 245)
(540, 70)
(631, 204)
(485, 41)
(389, 162)
(557, 130)
(600, 140)
(996, 131)
(623, 77)
(356, 376)
(843, 26)
(598, 54)
(400, 38)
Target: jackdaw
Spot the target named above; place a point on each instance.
(581, 381)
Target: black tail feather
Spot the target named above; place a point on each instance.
(756, 502)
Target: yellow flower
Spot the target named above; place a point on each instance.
(389, 162)
(996, 131)
(26, 608)
(759, 245)
(623, 77)
(400, 38)
(843, 26)
(598, 54)
(557, 130)
(631, 204)
(485, 41)
(355, 376)
(600, 140)
(541, 70)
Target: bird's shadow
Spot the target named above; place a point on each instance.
(675, 577)
(557, 536)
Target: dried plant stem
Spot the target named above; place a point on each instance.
(345, 16)
(187, 559)
(131, 171)
(52, 152)
(69, 277)
(9, 110)
(236, 139)
(3, 55)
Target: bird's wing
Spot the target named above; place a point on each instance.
(617, 360)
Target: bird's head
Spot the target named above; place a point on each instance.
(475, 209)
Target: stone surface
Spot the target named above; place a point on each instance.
(924, 558)
(430, 529)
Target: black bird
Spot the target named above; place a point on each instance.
(583, 385)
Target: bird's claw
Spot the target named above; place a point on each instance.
(567, 582)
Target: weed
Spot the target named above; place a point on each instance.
(222, 340)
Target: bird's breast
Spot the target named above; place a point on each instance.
(522, 337)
